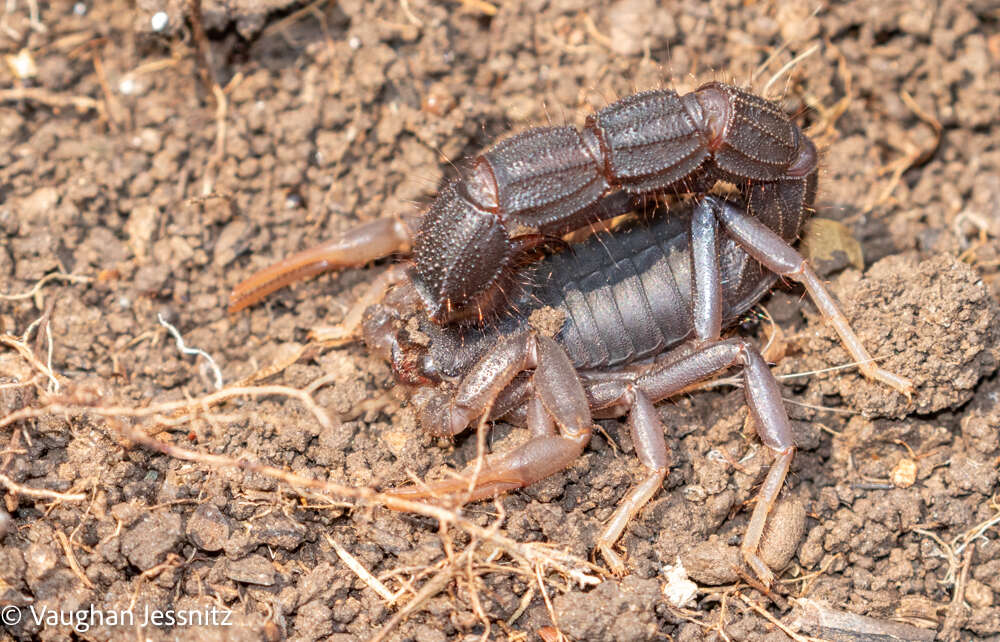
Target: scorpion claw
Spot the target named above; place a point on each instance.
(466, 487)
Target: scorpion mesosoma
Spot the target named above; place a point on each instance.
(628, 300)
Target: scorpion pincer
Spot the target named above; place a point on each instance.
(641, 309)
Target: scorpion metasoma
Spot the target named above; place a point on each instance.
(640, 310)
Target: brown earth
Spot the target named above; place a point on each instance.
(119, 167)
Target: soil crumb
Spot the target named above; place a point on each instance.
(933, 321)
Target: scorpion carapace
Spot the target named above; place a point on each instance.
(527, 190)
(625, 300)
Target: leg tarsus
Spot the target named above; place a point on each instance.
(829, 309)
(627, 509)
(766, 498)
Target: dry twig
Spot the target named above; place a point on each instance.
(363, 573)
(912, 154)
(81, 104)
(956, 610)
(433, 586)
(775, 621)
(71, 557)
(157, 411)
(37, 287)
(39, 493)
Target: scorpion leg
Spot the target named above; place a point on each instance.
(651, 448)
(355, 247)
(764, 399)
(707, 284)
(559, 401)
(775, 254)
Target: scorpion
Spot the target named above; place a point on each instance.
(641, 309)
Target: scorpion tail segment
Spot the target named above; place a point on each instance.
(355, 247)
(460, 252)
(784, 205)
(752, 138)
(545, 178)
(650, 140)
(777, 255)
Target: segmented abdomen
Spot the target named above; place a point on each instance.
(626, 296)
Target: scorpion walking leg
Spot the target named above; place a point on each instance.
(764, 399)
(559, 401)
(778, 256)
(647, 429)
(647, 436)
(357, 246)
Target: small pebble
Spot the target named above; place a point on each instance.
(714, 562)
(127, 86)
(208, 528)
(978, 594)
(147, 543)
(6, 522)
(159, 21)
(783, 532)
(253, 569)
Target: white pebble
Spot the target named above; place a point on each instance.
(126, 86)
(159, 21)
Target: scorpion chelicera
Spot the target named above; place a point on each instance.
(639, 310)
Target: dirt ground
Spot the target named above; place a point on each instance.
(132, 192)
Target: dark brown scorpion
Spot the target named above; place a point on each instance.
(486, 255)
